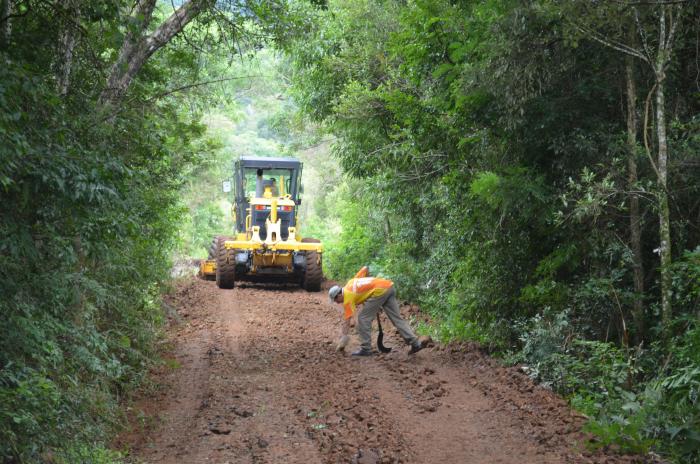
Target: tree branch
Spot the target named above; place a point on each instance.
(643, 36)
(9, 15)
(198, 84)
(600, 38)
(672, 32)
(646, 125)
(136, 51)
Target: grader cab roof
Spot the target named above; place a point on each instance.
(269, 163)
(252, 174)
(287, 170)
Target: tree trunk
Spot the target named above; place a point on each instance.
(635, 217)
(138, 47)
(664, 211)
(68, 42)
(6, 25)
(141, 19)
(663, 57)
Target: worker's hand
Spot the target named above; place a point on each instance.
(342, 343)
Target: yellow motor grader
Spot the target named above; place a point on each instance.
(268, 245)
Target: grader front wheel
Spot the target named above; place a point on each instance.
(225, 267)
(314, 271)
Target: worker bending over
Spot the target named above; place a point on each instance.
(375, 294)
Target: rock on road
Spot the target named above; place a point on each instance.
(254, 378)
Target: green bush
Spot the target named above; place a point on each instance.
(498, 184)
(88, 222)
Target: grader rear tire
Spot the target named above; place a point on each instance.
(225, 268)
(212, 247)
(314, 271)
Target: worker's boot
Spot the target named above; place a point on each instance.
(416, 346)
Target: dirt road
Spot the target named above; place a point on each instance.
(255, 379)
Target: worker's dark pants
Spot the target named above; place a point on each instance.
(388, 303)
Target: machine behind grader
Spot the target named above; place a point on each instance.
(267, 245)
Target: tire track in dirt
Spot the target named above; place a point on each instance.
(259, 382)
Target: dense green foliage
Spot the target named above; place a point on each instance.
(488, 165)
(89, 215)
(482, 159)
(86, 234)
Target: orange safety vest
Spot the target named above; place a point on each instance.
(361, 288)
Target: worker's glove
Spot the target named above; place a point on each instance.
(342, 343)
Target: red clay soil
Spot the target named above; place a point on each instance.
(255, 379)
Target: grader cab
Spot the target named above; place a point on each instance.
(268, 245)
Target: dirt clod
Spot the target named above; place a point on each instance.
(366, 457)
(220, 430)
(241, 412)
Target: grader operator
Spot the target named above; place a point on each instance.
(268, 245)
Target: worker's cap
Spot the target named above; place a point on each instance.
(334, 292)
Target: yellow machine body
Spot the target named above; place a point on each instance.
(273, 251)
(264, 246)
(207, 269)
